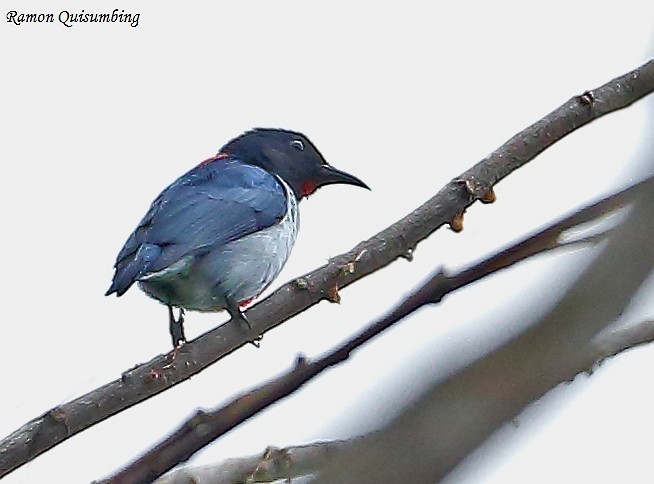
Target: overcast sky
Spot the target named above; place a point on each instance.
(97, 118)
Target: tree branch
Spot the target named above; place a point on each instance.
(206, 426)
(398, 240)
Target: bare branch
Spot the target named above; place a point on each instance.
(401, 238)
(206, 426)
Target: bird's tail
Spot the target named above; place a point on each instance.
(132, 268)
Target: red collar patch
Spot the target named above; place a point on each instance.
(220, 156)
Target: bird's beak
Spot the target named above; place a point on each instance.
(330, 176)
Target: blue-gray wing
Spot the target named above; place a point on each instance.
(211, 205)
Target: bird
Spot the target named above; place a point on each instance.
(219, 235)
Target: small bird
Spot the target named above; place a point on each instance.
(221, 233)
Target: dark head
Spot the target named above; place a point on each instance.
(289, 155)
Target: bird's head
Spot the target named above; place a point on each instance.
(290, 155)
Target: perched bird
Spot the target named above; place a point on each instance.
(220, 234)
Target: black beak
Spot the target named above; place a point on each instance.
(330, 176)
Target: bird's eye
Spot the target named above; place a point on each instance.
(297, 144)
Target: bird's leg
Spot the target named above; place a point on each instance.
(180, 322)
(238, 317)
(176, 327)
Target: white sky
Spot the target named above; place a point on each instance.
(97, 119)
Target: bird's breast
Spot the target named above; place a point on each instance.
(251, 263)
